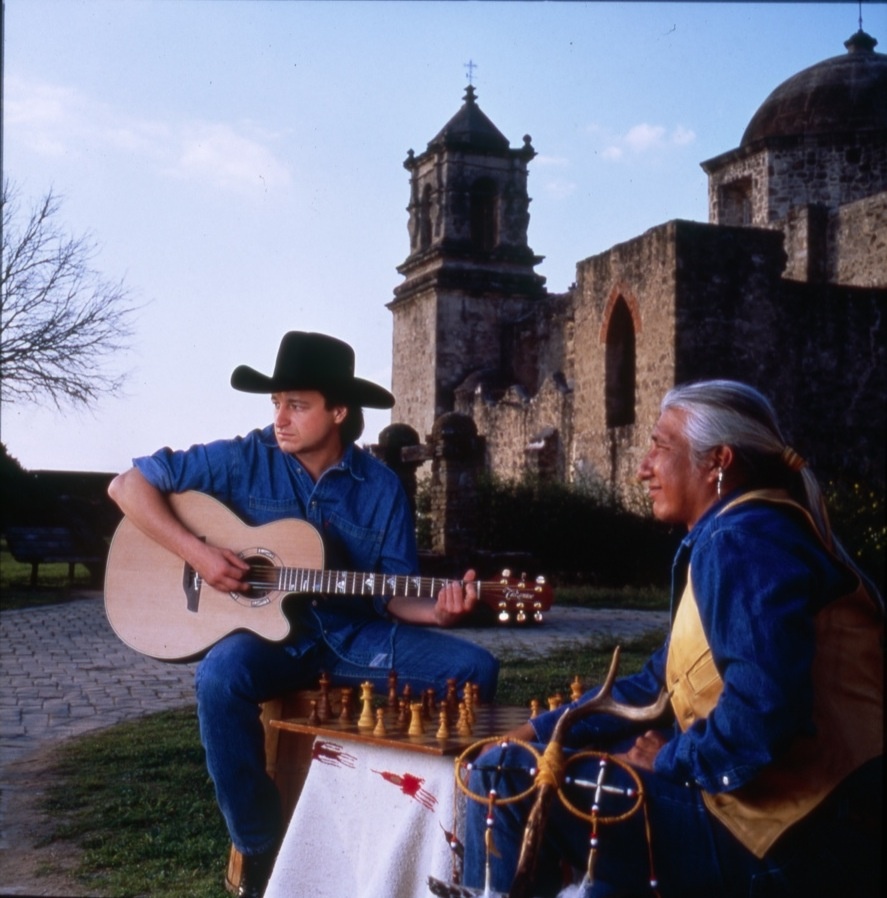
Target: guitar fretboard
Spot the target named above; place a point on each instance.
(348, 583)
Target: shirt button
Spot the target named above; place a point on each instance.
(725, 780)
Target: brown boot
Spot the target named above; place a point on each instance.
(256, 873)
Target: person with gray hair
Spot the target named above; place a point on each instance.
(764, 776)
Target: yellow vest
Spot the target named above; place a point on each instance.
(848, 676)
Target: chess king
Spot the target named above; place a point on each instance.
(304, 464)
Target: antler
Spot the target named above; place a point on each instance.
(551, 762)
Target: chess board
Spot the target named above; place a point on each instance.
(489, 720)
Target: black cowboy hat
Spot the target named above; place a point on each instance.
(314, 362)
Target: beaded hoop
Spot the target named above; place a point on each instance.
(592, 816)
(463, 764)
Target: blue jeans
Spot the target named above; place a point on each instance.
(243, 670)
(833, 853)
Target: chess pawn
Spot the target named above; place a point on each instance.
(555, 701)
(534, 708)
(313, 716)
(443, 731)
(469, 706)
(403, 713)
(463, 727)
(345, 713)
(366, 721)
(379, 729)
(416, 728)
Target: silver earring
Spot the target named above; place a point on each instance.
(720, 482)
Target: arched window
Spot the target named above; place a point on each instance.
(484, 215)
(620, 367)
(425, 218)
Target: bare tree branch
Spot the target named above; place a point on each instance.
(61, 321)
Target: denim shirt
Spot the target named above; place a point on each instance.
(358, 506)
(759, 576)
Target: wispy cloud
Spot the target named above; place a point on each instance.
(642, 139)
(554, 184)
(58, 121)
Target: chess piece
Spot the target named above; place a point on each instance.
(555, 701)
(313, 716)
(366, 721)
(463, 727)
(416, 728)
(345, 713)
(324, 708)
(443, 731)
(379, 729)
(534, 708)
(469, 705)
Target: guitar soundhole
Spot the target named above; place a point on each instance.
(262, 578)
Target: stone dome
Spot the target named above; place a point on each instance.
(842, 94)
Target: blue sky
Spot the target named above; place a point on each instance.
(240, 162)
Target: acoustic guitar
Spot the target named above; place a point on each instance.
(160, 606)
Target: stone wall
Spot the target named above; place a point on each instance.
(858, 234)
(824, 172)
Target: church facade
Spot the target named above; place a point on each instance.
(785, 287)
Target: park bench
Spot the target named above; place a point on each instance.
(36, 545)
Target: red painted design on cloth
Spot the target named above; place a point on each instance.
(333, 754)
(411, 786)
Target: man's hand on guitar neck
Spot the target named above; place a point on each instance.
(453, 602)
(150, 511)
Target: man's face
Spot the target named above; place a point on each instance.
(303, 424)
(680, 489)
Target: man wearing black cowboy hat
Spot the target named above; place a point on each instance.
(305, 465)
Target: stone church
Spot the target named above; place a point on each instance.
(785, 287)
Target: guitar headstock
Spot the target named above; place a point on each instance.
(517, 599)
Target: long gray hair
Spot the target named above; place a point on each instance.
(730, 413)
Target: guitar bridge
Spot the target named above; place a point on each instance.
(191, 587)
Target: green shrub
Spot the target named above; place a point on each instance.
(575, 533)
(856, 512)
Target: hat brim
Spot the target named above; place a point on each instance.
(355, 391)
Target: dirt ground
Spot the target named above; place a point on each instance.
(31, 865)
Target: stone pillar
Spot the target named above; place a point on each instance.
(457, 454)
(399, 448)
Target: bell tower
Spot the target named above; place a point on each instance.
(469, 272)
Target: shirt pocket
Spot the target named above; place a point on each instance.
(704, 684)
(264, 510)
(362, 544)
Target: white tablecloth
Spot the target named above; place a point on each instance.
(370, 823)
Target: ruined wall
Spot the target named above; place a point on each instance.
(857, 237)
(641, 273)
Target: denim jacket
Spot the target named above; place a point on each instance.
(760, 576)
(358, 506)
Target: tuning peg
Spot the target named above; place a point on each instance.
(506, 573)
(537, 617)
(504, 616)
(540, 580)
